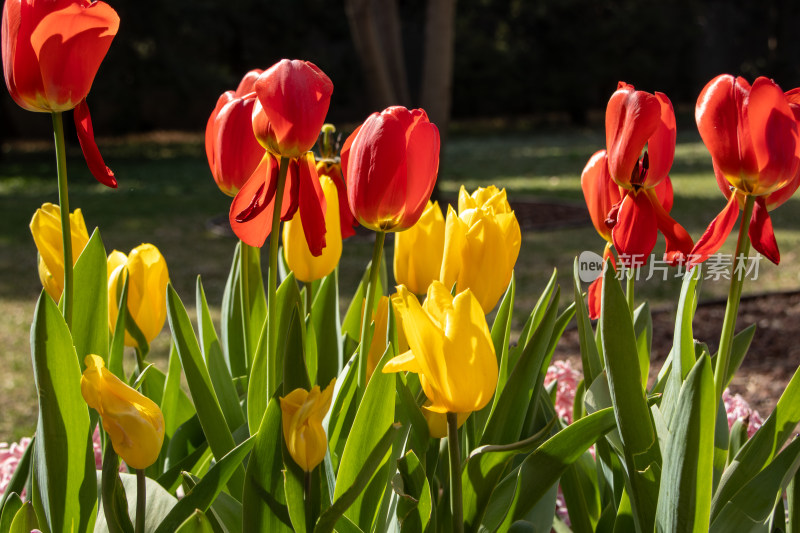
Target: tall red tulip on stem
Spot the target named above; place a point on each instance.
(753, 135)
(51, 53)
(292, 102)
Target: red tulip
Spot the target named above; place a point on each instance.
(253, 206)
(294, 97)
(51, 53)
(390, 164)
(635, 120)
(753, 135)
(232, 149)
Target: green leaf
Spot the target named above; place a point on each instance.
(217, 368)
(115, 504)
(581, 493)
(535, 318)
(253, 292)
(295, 374)
(410, 413)
(643, 329)
(267, 369)
(545, 465)
(351, 325)
(590, 358)
(371, 424)
(484, 469)
(751, 508)
(344, 406)
(196, 523)
(227, 512)
(507, 418)
(263, 499)
(328, 327)
(13, 504)
(175, 405)
(501, 334)
(762, 446)
(684, 499)
(293, 480)
(64, 484)
(414, 504)
(117, 350)
(216, 430)
(25, 520)
(739, 346)
(232, 322)
(171, 478)
(640, 445)
(371, 463)
(90, 308)
(203, 494)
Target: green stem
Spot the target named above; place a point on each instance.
(63, 202)
(309, 296)
(629, 288)
(272, 289)
(141, 496)
(244, 273)
(366, 333)
(307, 501)
(734, 296)
(456, 499)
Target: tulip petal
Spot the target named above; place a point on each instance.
(716, 233)
(664, 193)
(679, 243)
(251, 210)
(661, 145)
(405, 362)
(599, 191)
(631, 118)
(455, 235)
(595, 293)
(312, 206)
(774, 135)
(98, 168)
(761, 234)
(636, 230)
(422, 160)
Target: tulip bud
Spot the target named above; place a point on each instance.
(231, 147)
(418, 251)
(294, 96)
(304, 264)
(450, 348)
(147, 289)
(133, 421)
(46, 229)
(390, 164)
(482, 244)
(302, 414)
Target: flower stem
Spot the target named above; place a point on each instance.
(141, 496)
(63, 202)
(274, 239)
(629, 288)
(366, 334)
(456, 499)
(734, 296)
(309, 296)
(307, 501)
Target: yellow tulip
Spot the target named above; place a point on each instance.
(133, 421)
(46, 229)
(147, 289)
(481, 245)
(305, 266)
(302, 414)
(451, 348)
(379, 340)
(437, 422)
(418, 251)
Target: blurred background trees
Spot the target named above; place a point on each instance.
(544, 60)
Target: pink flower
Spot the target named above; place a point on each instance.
(9, 459)
(568, 379)
(737, 408)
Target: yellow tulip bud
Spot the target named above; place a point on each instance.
(451, 348)
(298, 256)
(437, 422)
(147, 289)
(133, 421)
(302, 414)
(418, 251)
(46, 229)
(481, 245)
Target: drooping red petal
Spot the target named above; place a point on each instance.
(251, 210)
(98, 168)
(347, 221)
(312, 206)
(599, 191)
(679, 243)
(631, 118)
(774, 134)
(661, 145)
(595, 293)
(291, 192)
(716, 233)
(721, 119)
(635, 233)
(761, 234)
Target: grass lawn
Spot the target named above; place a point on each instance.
(167, 196)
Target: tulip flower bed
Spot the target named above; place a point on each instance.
(412, 409)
